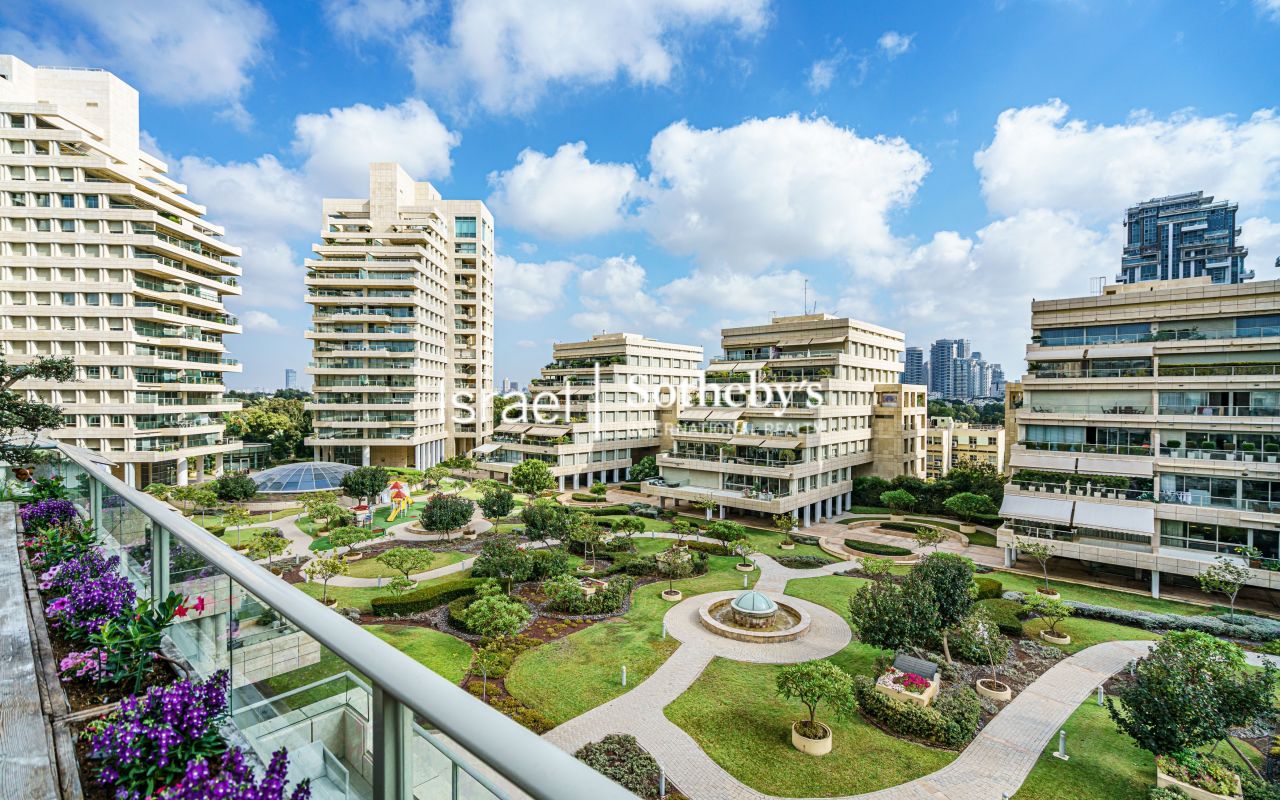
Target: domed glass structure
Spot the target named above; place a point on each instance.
(753, 602)
(308, 476)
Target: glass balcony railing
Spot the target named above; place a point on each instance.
(1162, 336)
(1219, 410)
(306, 677)
(1081, 447)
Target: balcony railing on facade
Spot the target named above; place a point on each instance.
(1207, 500)
(1186, 409)
(430, 737)
(1164, 371)
(1186, 335)
(754, 461)
(1082, 447)
(1085, 489)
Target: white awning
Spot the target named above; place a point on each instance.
(513, 427)
(487, 447)
(548, 430)
(1133, 467)
(781, 444)
(1126, 519)
(724, 415)
(735, 366)
(747, 441)
(695, 414)
(1135, 350)
(1047, 461)
(1058, 354)
(1040, 509)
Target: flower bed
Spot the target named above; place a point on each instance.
(1198, 776)
(1243, 626)
(907, 686)
(952, 721)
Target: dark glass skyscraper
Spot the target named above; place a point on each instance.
(1182, 236)
(913, 367)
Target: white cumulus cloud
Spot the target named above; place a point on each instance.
(260, 321)
(529, 290)
(374, 19)
(563, 195)
(894, 44)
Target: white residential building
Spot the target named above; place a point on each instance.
(401, 289)
(104, 259)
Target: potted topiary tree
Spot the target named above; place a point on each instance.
(1272, 450)
(1052, 611)
(1040, 551)
(812, 683)
(986, 634)
(1247, 450)
(674, 562)
(966, 506)
(899, 502)
(785, 524)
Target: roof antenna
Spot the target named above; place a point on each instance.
(805, 307)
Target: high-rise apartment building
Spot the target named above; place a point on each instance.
(942, 357)
(793, 455)
(1147, 436)
(104, 259)
(401, 287)
(612, 393)
(290, 379)
(913, 371)
(1182, 236)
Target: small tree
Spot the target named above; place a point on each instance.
(706, 505)
(1039, 550)
(233, 518)
(399, 585)
(899, 501)
(329, 514)
(496, 503)
(495, 615)
(628, 527)
(682, 529)
(1050, 610)
(488, 659)
(583, 530)
(324, 570)
(532, 477)
(459, 463)
(545, 520)
(267, 544)
(813, 683)
(435, 476)
(675, 563)
(644, 469)
(348, 537)
(185, 496)
(406, 560)
(928, 536)
(784, 523)
(599, 489)
(892, 617)
(950, 577)
(727, 532)
(877, 567)
(1226, 576)
(365, 483)
(316, 500)
(446, 513)
(985, 634)
(501, 558)
(235, 487)
(968, 505)
(204, 501)
(1189, 692)
(160, 491)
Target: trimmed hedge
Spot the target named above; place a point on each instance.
(424, 599)
(905, 527)
(1005, 614)
(802, 539)
(620, 758)
(952, 720)
(606, 511)
(875, 548)
(711, 548)
(1257, 629)
(803, 562)
(988, 588)
(629, 487)
(458, 611)
(587, 498)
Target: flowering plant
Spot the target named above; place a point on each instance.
(148, 742)
(79, 664)
(47, 514)
(52, 546)
(235, 781)
(913, 683)
(88, 592)
(131, 641)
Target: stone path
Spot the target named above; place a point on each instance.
(997, 761)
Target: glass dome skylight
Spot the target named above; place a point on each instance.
(308, 476)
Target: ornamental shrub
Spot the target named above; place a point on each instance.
(802, 562)
(424, 599)
(1004, 614)
(988, 588)
(582, 497)
(149, 740)
(1257, 629)
(234, 779)
(952, 720)
(875, 548)
(620, 758)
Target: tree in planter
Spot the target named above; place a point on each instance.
(1189, 692)
(928, 536)
(675, 563)
(267, 544)
(324, 570)
(950, 577)
(599, 489)
(968, 505)
(742, 549)
(813, 683)
(899, 501)
(406, 560)
(706, 505)
(644, 469)
(532, 477)
(892, 617)
(446, 513)
(726, 532)
(433, 477)
(784, 523)
(365, 483)
(1046, 608)
(501, 558)
(494, 615)
(1039, 550)
(1226, 577)
(235, 487)
(233, 518)
(496, 503)
(348, 536)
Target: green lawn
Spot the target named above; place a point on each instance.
(214, 522)
(564, 678)
(245, 535)
(353, 597)
(1103, 597)
(830, 591)
(1088, 632)
(732, 712)
(372, 568)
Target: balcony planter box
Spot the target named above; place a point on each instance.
(672, 595)
(1052, 639)
(812, 747)
(993, 689)
(1195, 792)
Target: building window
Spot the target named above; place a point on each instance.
(67, 200)
(464, 228)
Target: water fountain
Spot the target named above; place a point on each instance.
(753, 616)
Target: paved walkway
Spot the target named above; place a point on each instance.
(997, 760)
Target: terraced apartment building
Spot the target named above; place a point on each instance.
(950, 441)
(612, 395)
(845, 414)
(104, 259)
(1148, 429)
(401, 289)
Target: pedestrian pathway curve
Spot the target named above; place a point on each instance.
(997, 761)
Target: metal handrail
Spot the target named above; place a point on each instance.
(517, 754)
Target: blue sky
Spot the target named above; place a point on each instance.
(673, 166)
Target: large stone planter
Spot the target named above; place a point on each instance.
(995, 690)
(672, 595)
(740, 567)
(966, 528)
(1059, 639)
(1195, 792)
(586, 569)
(922, 699)
(788, 546)
(897, 517)
(812, 747)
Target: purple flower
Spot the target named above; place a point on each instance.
(79, 664)
(87, 590)
(235, 780)
(47, 514)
